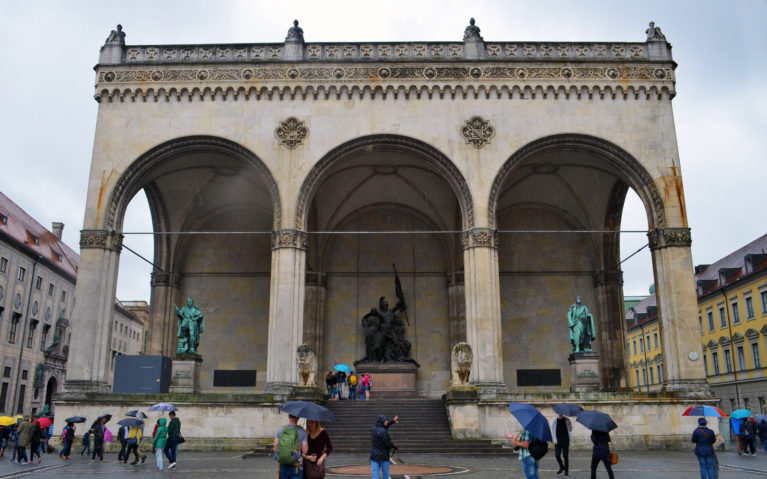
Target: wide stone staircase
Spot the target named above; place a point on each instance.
(423, 427)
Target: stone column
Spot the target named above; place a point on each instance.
(162, 314)
(611, 329)
(483, 308)
(677, 309)
(456, 297)
(314, 316)
(89, 347)
(286, 309)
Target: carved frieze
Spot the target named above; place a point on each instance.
(479, 238)
(289, 238)
(665, 237)
(101, 239)
(608, 278)
(165, 278)
(477, 132)
(291, 132)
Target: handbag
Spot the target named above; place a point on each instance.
(613, 455)
(314, 470)
(180, 440)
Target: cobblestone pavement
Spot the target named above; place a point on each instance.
(633, 465)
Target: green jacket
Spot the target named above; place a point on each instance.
(174, 428)
(160, 438)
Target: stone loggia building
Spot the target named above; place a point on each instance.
(284, 179)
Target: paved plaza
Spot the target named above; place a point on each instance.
(633, 465)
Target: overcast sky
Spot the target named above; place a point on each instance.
(49, 115)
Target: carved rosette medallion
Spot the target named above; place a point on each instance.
(479, 238)
(289, 238)
(101, 239)
(665, 237)
(291, 132)
(477, 132)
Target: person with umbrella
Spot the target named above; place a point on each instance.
(37, 436)
(25, 437)
(174, 436)
(704, 439)
(99, 431)
(761, 430)
(69, 437)
(562, 428)
(600, 424)
(291, 446)
(320, 447)
(535, 430)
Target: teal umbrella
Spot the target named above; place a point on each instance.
(740, 414)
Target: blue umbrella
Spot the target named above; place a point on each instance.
(342, 367)
(136, 413)
(163, 406)
(567, 409)
(709, 411)
(596, 421)
(131, 422)
(740, 413)
(307, 410)
(531, 419)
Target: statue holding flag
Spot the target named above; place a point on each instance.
(385, 331)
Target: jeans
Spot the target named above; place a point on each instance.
(98, 449)
(86, 448)
(563, 449)
(291, 472)
(158, 458)
(380, 469)
(171, 449)
(21, 453)
(764, 444)
(341, 391)
(595, 463)
(750, 445)
(353, 392)
(706, 467)
(530, 467)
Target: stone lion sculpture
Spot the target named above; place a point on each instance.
(460, 364)
(306, 361)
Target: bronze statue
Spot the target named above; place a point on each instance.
(190, 326)
(581, 324)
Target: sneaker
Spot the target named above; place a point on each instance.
(143, 459)
(29, 462)
(172, 465)
(92, 461)
(103, 462)
(158, 469)
(560, 471)
(40, 459)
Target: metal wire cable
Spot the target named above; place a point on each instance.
(424, 232)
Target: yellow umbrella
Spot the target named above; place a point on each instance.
(7, 421)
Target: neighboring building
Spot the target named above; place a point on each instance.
(644, 345)
(732, 316)
(37, 284)
(139, 309)
(128, 333)
(631, 301)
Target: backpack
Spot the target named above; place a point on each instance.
(353, 380)
(538, 448)
(747, 430)
(287, 446)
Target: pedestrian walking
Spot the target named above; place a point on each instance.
(122, 434)
(5, 434)
(330, 381)
(748, 436)
(37, 436)
(25, 438)
(704, 439)
(319, 448)
(761, 432)
(133, 440)
(381, 447)
(736, 425)
(159, 442)
(341, 384)
(14, 439)
(366, 382)
(291, 446)
(601, 452)
(69, 437)
(562, 428)
(174, 435)
(530, 465)
(99, 431)
(48, 436)
(86, 442)
(352, 380)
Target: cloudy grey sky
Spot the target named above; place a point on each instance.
(49, 115)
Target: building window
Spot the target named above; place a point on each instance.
(762, 405)
(3, 219)
(660, 373)
(700, 323)
(4, 267)
(39, 283)
(14, 324)
(24, 374)
(715, 361)
(22, 393)
(647, 341)
(705, 363)
(63, 296)
(755, 354)
(641, 345)
(762, 294)
(31, 336)
(635, 346)
(652, 376)
(22, 273)
(727, 360)
(735, 312)
(636, 373)
(710, 320)
(644, 375)
(749, 307)
(655, 339)
(745, 403)
(741, 358)
(50, 289)
(722, 317)
(3, 396)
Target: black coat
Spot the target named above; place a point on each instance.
(601, 442)
(380, 442)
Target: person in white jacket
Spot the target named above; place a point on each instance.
(561, 428)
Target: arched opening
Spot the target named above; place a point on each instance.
(50, 393)
(558, 205)
(213, 205)
(370, 204)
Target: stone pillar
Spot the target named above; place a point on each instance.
(162, 315)
(286, 309)
(483, 308)
(314, 316)
(456, 297)
(89, 347)
(677, 309)
(611, 329)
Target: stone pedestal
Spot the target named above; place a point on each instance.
(463, 411)
(308, 393)
(185, 374)
(390, 379)
(584, 372)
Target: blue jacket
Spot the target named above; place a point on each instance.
(380, 441)
(703, 438)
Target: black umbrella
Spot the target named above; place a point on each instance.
(596, 421)
(75, 419)
(567, 409)
(307, 410)
(131, 422)
(136, 413)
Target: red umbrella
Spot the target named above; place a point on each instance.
(44, 422)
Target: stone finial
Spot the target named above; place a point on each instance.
(117, 36)
(472, 31)
(295, 33)
(654, 34)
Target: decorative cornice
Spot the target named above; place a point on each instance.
(101, 239)
(165, 278)
(289, 238)
(479, 238)
(666, 237)
(477, 132)
(291, 132)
